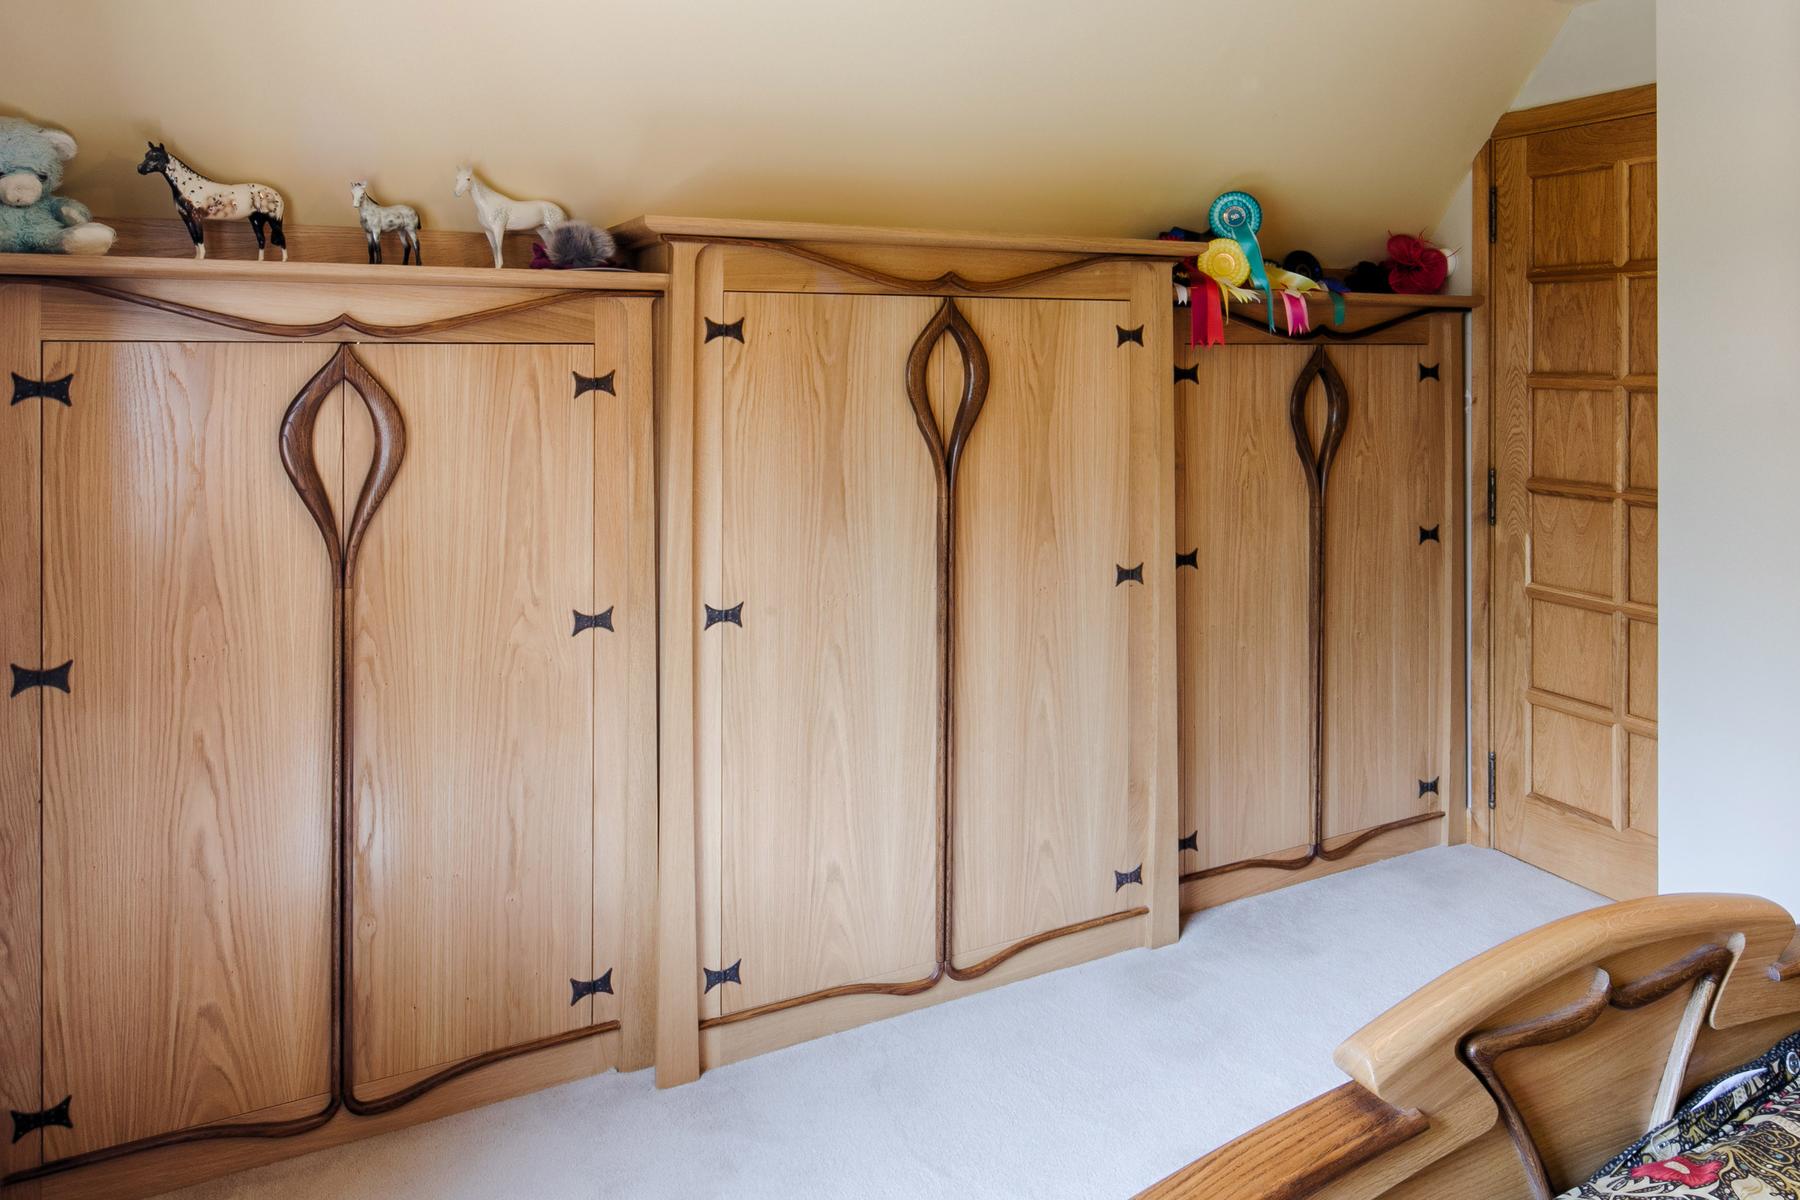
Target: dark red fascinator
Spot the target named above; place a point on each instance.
(1415, 267)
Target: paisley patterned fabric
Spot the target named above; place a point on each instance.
(1737, 1138)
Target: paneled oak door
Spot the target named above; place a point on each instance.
(1574, 546)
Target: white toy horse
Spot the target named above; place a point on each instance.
(202, 199)
(377, 219)
(499, 214)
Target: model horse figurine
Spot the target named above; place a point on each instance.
(377, 219)
(201, 199)
(499, 214)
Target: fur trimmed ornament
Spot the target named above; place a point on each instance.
(1414, 266)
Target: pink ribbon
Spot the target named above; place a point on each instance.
(1297, 321)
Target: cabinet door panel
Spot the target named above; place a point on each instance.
(472, 709)
(828, 723)
(1241, 509)
(1043, 690)
(186, 775)
(1384, 597)
(21, 739)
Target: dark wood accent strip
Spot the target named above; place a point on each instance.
(1317, 465)
(1297, 1153)
(1273, 864)
(1317, 853)
(320, 328)
(949, 281)
(1333, 853)
(1326, 333)
(993, 960)
(1708, 962)
(1482, 1050)
(1788, 965)
(925, 983)
(405, 1096)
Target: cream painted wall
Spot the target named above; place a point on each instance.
(1728, 169)
(1021, 115)
(1604, 46)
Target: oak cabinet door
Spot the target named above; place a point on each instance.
(1044, 703)
(827, 727)
(840, 795)
(186, 777)
(473, 708)
(1241, 513)
(1384, 598)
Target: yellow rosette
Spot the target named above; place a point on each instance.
(1225, 261)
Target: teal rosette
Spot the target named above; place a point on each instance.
(1238, 216)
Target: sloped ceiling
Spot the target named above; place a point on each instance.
(1347, 117)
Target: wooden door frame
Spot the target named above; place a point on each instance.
(1585, 110)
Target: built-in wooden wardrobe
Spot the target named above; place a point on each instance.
(328, 758)
(413, 703)
(1319, 551)
(918, 695)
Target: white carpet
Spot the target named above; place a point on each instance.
(1090, 1082)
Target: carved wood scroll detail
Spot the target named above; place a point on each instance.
(950, 281)
(1316, 462)
(1704, 968)
(297, 457)
(946, 460)
(331, 325)
(295, 445)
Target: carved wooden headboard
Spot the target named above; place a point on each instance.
(1522, 1071)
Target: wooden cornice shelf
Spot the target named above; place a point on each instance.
(642, 231)
(62, 266)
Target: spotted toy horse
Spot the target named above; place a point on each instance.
(200, 199)
(377, 218)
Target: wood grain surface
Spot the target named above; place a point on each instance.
(1385, 635)
(1241, 508)
(1045, 702)
(187, 776)
(21, 643)
(473, 716)
(1574, 578)
(830, 737)
(1296, 1153)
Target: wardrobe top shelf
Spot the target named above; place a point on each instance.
(645, 230)
(67, 266)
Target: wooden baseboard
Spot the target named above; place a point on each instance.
(156, 1171)
(729, 1043)
(1253, 881)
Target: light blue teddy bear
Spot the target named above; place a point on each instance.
(33, 219)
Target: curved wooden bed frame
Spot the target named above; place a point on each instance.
(1521, 1072)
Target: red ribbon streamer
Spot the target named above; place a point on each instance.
(1206, 318)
